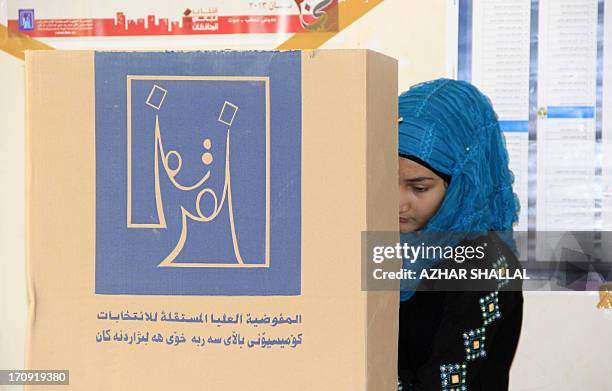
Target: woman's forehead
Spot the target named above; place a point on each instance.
(409, 168)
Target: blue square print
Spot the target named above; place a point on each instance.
(198, 173)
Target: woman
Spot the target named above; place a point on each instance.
(454, 177)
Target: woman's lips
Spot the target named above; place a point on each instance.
(403, 220)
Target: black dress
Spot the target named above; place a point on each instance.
(462, 340)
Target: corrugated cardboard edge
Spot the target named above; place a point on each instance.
(382, 198)
(346, 121)
(31, 292)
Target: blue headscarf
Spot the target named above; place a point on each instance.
(452, 127)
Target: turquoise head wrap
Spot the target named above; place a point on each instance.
(452, 127)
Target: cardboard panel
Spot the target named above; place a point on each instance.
(265, 291)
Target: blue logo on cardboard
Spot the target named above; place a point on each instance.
(198, 173)
(26, 20)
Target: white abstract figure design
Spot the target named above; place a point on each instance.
(207, 158)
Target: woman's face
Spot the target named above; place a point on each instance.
(421, 194)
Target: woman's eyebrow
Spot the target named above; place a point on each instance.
(418, 179)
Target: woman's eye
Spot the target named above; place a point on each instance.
(420, 189)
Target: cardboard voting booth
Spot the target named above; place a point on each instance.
(194, 219)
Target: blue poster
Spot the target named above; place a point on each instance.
(198, 173)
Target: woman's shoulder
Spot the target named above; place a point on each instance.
(480, 262)
(495, 244)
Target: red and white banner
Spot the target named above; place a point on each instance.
(53, 18)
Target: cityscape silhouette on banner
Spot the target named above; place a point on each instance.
(191, 22)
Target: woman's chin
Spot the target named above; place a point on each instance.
(407, 228)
